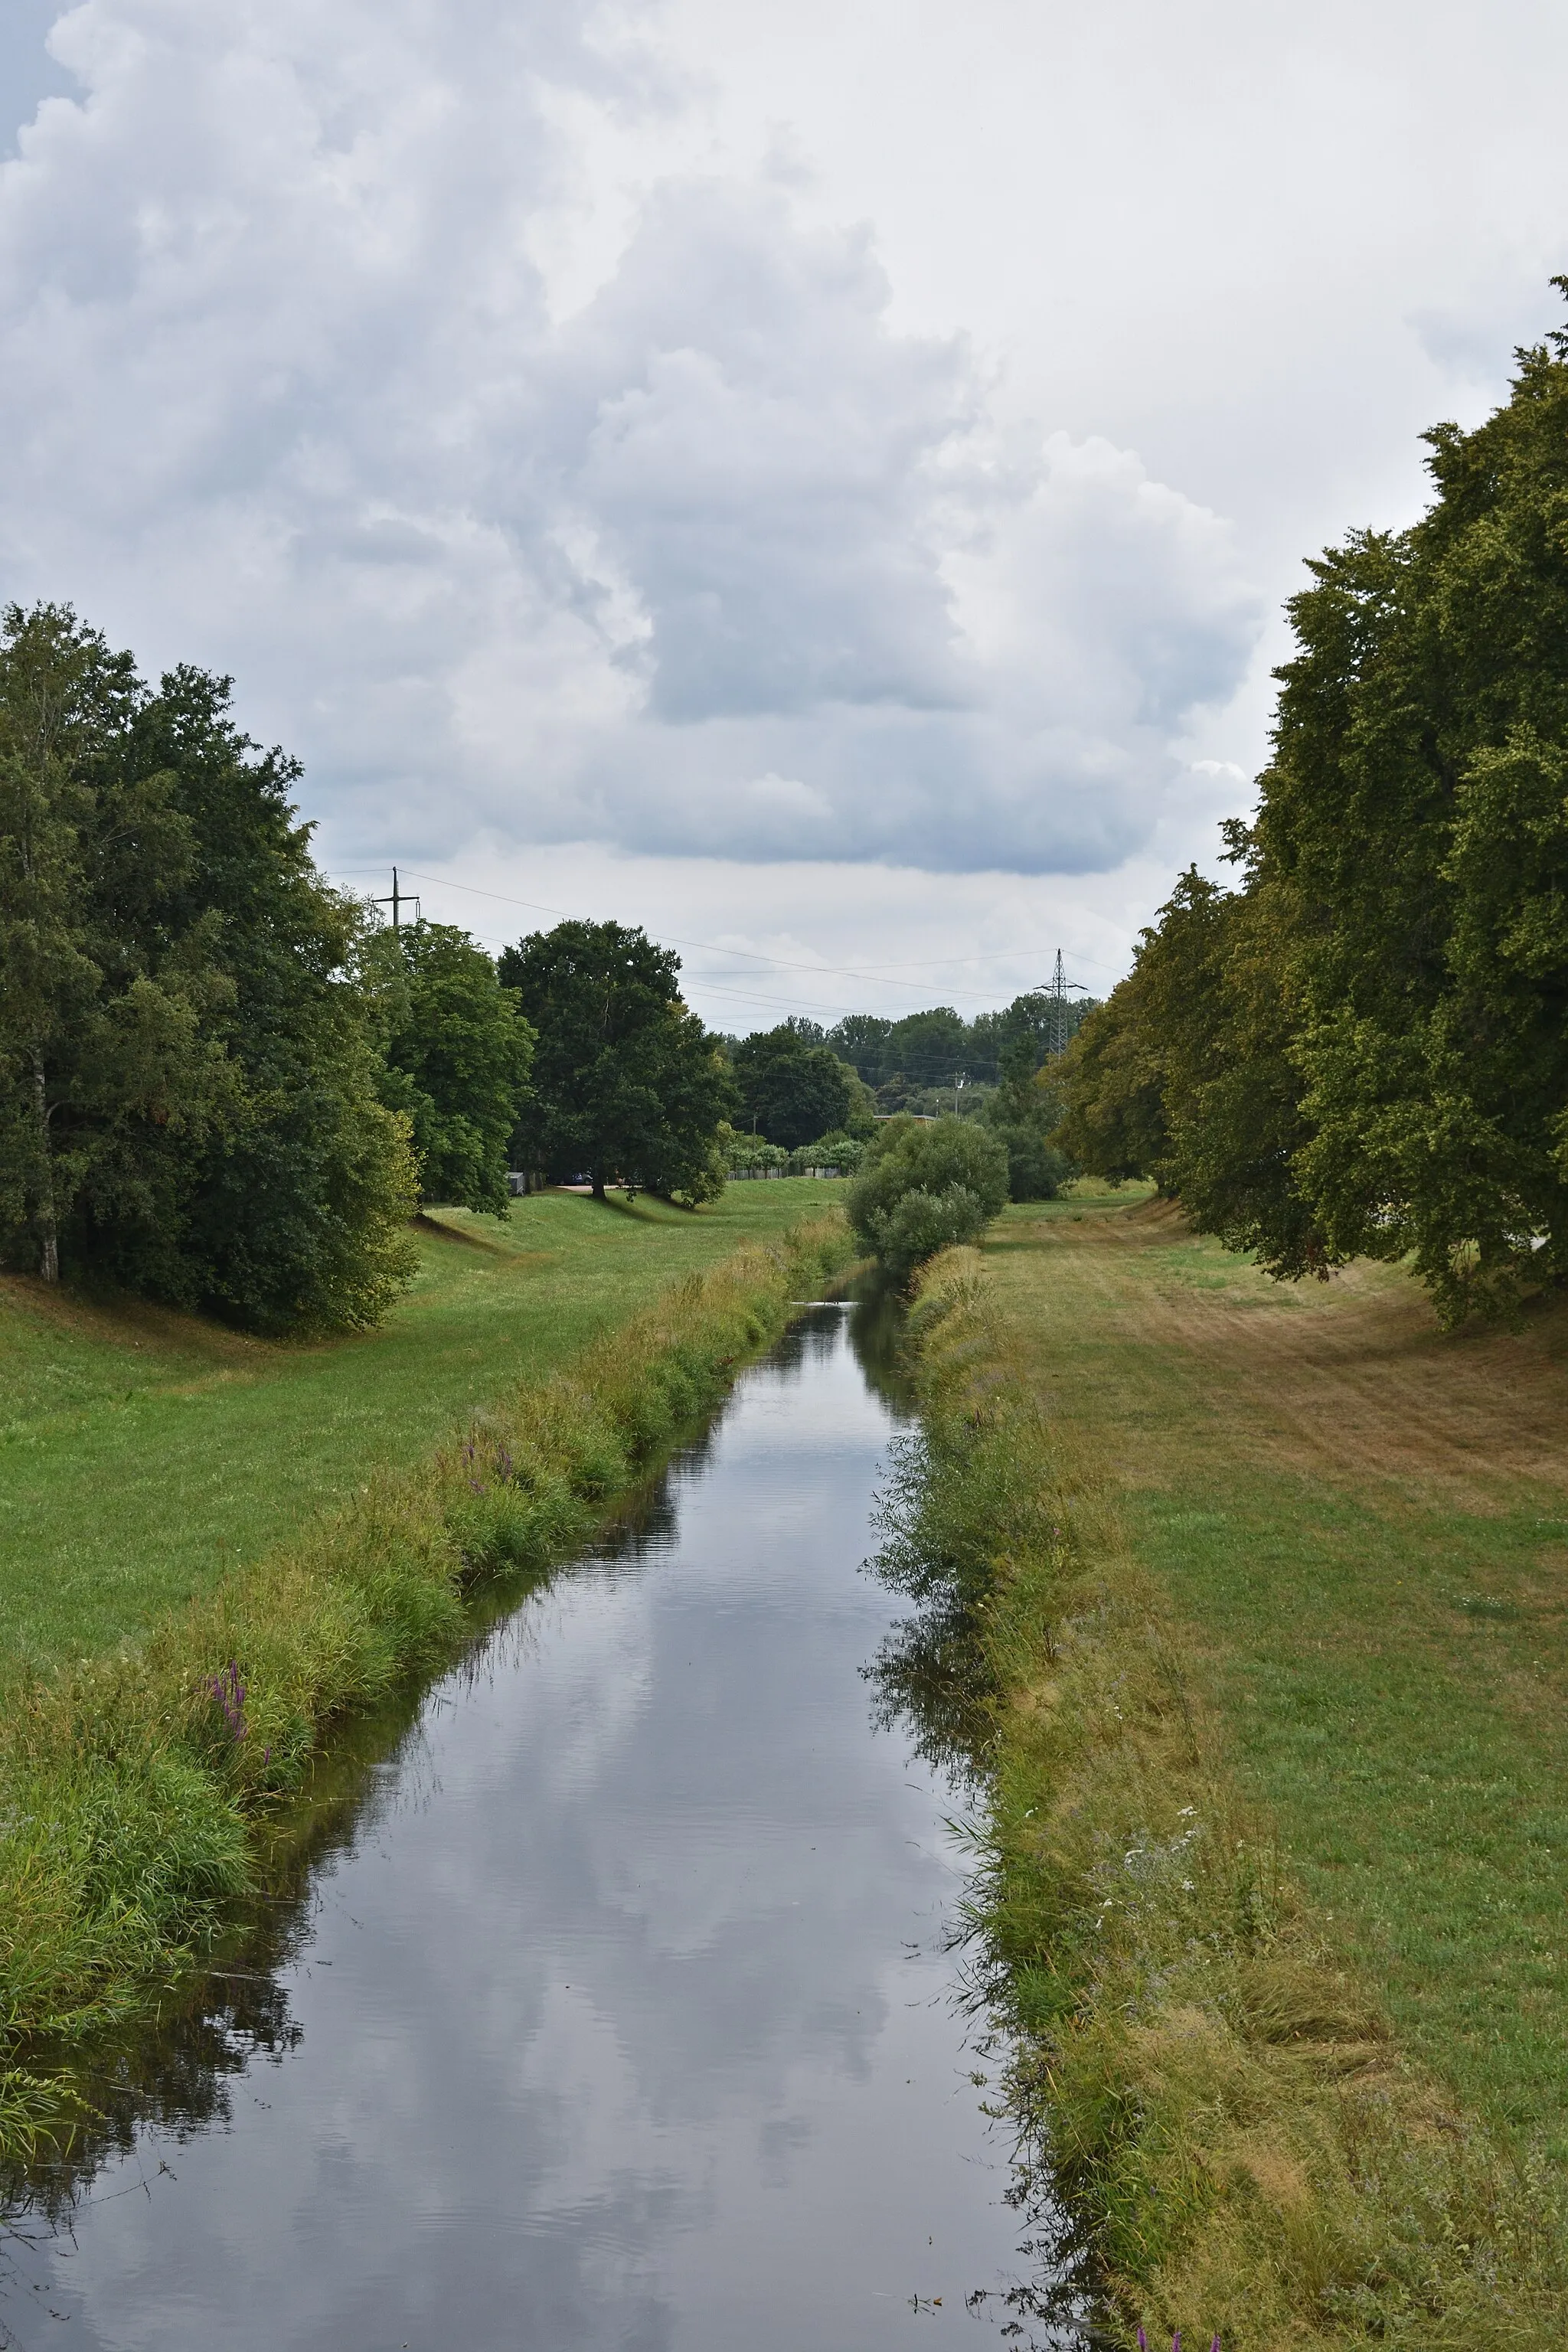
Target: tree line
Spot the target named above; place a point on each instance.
(1360, 1048)
(229, 1085)
(910, 1064)
(223, 1083)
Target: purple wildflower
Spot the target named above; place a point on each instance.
(229, 1691)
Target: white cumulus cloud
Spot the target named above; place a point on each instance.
(724, 564)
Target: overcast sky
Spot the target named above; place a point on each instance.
(819, 481)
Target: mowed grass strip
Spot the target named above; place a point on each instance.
(1365, 1524)
(145, 1454)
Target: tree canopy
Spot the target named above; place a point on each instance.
(1362, 1049)
(458, 1053)
(188, 1095)
(627, 1082)
(792, 1086)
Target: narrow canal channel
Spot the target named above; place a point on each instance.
(619, 2013)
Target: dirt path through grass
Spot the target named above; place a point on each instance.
(1367, 1522)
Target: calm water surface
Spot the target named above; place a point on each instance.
(620, 2014)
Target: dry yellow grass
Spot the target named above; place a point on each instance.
(1199, 1354)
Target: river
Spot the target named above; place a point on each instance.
(618, 2007)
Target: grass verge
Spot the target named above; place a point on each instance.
(145, 1455)
(131, 1785)
(1212, 2065)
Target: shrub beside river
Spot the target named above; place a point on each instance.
(924, 1187)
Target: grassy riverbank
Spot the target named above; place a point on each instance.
(1271, 1585)
(131, 1777)
(143, 1455)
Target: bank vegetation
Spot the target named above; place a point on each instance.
(1215, 2085)
(133, 1786)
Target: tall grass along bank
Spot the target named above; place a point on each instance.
(131, 1785)
(217, 1447)
(1219, 2091)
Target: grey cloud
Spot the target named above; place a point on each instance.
(757, 451)
(722, 565)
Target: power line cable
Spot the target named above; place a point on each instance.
(752, 955)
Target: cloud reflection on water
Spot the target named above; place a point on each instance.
(621, 2015)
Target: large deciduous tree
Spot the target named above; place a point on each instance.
(1365, 1049)
(187, 1073)
(1414, 813)
(793, 1087)
(627, 1082)
(110, 1078)
(458, 1053)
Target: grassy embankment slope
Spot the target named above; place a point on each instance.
(310, 1545)
(1278, 1844)
(1366, 1523)
(143, 1453)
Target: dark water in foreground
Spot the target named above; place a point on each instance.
(620, 2013)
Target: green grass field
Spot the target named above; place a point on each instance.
(1366, 1523)
(143, 1453)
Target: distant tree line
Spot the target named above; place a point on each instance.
(902, 1062)
(1362, 1047)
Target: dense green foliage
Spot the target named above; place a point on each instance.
(1023, 1115)
(188, 1072)
(924, 1188)
(458, 1055)
(793, 1087)
(1364, 1049)
(912, 1064)
(1037, 1167)
(627, 1082)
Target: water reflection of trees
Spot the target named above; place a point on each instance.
(173, 2071)
(877, 1313)
(930, 1682)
